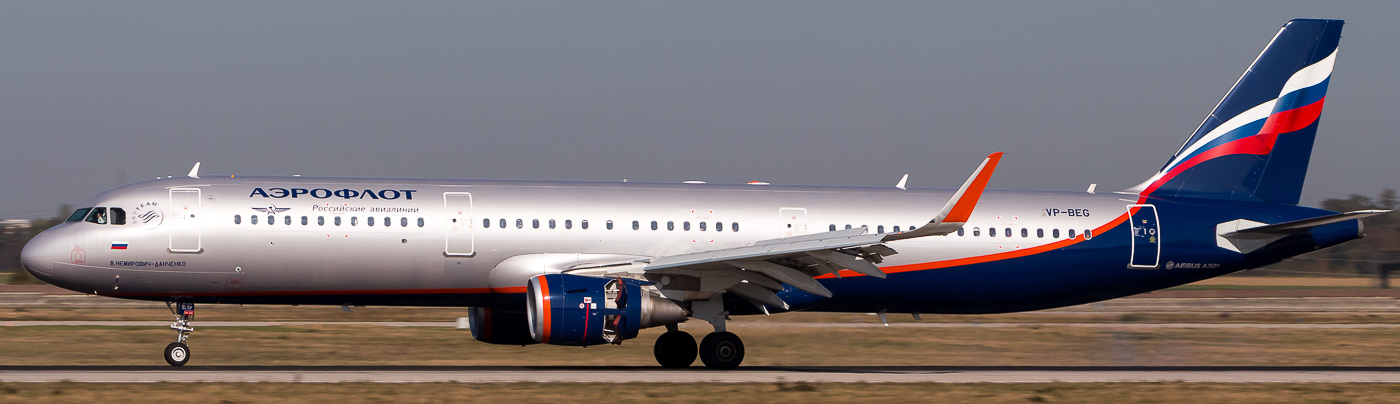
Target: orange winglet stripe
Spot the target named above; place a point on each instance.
(963, 209)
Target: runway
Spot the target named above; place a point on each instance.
(650, 374)
(736, 324)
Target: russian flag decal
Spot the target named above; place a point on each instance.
(119, 245)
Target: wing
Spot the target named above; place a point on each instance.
(755, 272)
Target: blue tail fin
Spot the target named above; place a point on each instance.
(1255, 145)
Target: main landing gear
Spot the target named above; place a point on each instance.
(177, 353)
(718, 350)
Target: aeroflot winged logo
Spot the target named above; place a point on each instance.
(272, 209)
(323, 193)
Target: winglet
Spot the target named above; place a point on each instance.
(902, 181)
(959, 207)
(194, 172)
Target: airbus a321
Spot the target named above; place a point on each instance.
(593, 263)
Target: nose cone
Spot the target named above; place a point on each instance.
(37, 255)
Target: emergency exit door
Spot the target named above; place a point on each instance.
(458, 210)
(1147, 237)
(793, 221)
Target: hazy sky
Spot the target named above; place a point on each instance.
(96, 94)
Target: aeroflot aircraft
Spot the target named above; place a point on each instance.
(589, 263)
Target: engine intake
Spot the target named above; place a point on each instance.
(584, 310)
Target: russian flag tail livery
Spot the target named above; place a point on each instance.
(1256, 144)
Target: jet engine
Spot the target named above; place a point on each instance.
(584, 310)
(503, 327)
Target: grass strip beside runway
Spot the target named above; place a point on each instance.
(781, 392)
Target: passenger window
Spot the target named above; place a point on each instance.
(702, 226)
(848, 227)
(369, 221)
(685, 226)
(1087, 234)
(535, 223)
(237, 219)
(420, 222)
(78, 215)
(1008, 232)
(719, 226)
(1071, 233)
(653, 225)
(303, 220)
(1025, 232)
(485, 223)
(287, 220)
(118, 216)
(832, 228)
(636, 226)
(388, 221)
(976, 232)
(99, 216)
(252, 219)
(354, 220)
(519, 223)
(568, 224)
(880, 229)
(551, 223)
(1040, 233)
(320, 220)
(960, 232)
(735, 226)
(503, 223)
(271, 220)
(403, 222)
(670, 225)
(1055, 233)
(991, 232)
(337, 220)
(896, 229)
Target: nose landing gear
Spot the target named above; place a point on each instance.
(178, 353)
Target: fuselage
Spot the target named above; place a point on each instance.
(302, 240)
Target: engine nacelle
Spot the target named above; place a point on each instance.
(503, 327)
(584, 310)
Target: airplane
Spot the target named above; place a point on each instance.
(593, 263)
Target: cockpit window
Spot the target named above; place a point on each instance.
(98, 215)
(78, 215)
(117, 216)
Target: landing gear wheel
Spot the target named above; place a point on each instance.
(675, 349)
(177, 354)
(721, 350)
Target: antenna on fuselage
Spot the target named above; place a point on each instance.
(194, 172)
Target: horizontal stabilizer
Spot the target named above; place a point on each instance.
(1298, 226)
